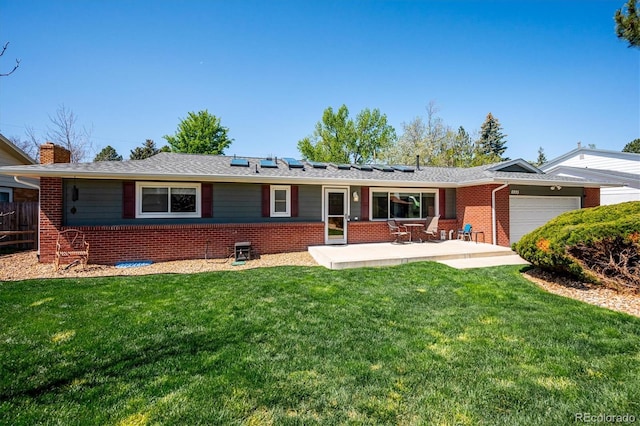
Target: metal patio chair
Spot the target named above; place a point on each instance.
(397, 230)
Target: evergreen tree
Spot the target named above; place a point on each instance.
(492, 140)
(633, 146)
(541, 158)
(145, 151)
(108, 153)
(628, 26)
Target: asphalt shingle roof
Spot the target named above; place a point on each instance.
(183, 167)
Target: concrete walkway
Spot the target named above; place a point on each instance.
(455, 253)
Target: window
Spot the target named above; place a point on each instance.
(280, 201)
(402, 204)
(164, 200)
(6, 195)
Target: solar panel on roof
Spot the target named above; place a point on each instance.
(363, 167)
(240, 162)
(382, 167)
(405, 169)
(268, 164)
(317, 164)
(293, 163)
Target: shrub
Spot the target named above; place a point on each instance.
(599, 244)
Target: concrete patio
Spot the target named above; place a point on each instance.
(455, 253)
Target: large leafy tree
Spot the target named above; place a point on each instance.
(628, 25)
(338, 138)
(492, 141)
(148, 149)
(436, 143)
(633, 146)
(108, 153)
(200, 133)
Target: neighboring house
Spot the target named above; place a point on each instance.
(622, 168)
(10, 190)
(181, 206)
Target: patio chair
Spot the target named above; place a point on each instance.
(465, 233)
(71, 244)
(397, 230)
(431, 227)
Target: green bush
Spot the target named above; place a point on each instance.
(548, 246)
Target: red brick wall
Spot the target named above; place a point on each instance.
(24, 194)
(159, 243)
(591, 198)
(50, 216)
(376, 232)
(474, 207)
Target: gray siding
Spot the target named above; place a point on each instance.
(100, 203)
(545, 191)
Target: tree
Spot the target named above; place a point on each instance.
(200, 133)
(628, 25)
(541, 158)
(337, 138)
(437, 144)
(633, 146)
(65, 132)
(108, 153)
(27, 146)
(492, 140)
(15, 67)
(147, 150)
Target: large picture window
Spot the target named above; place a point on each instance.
(164, 200)
(402, 204)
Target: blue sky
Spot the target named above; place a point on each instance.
(552, 72)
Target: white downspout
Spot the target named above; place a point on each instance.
(32, 185)
(494, 225)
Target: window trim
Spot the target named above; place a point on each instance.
(167, 215)
(372, 190)
(8, 190)
(272, 200)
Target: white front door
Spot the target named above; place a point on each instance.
(336, 211)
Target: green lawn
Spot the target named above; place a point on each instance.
(416, 344)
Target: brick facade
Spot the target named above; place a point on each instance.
(591, 198)
(474, 207)
(24, 194)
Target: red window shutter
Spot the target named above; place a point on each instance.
(364, 203)
(442, 195)
(266, 202)
(294, 201)
(206, 200)
(128, 199)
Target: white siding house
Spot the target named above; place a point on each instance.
(621, 169)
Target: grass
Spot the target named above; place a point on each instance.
(415, 344)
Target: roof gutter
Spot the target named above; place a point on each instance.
(32, 185)
(494, 225)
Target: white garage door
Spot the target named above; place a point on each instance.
(528, 213)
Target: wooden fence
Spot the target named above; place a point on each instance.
(19, 225)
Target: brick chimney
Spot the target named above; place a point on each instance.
(51, 153)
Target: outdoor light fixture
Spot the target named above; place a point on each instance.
(356, 198)
(554, 187)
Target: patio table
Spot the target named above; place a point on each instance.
(411, 227)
